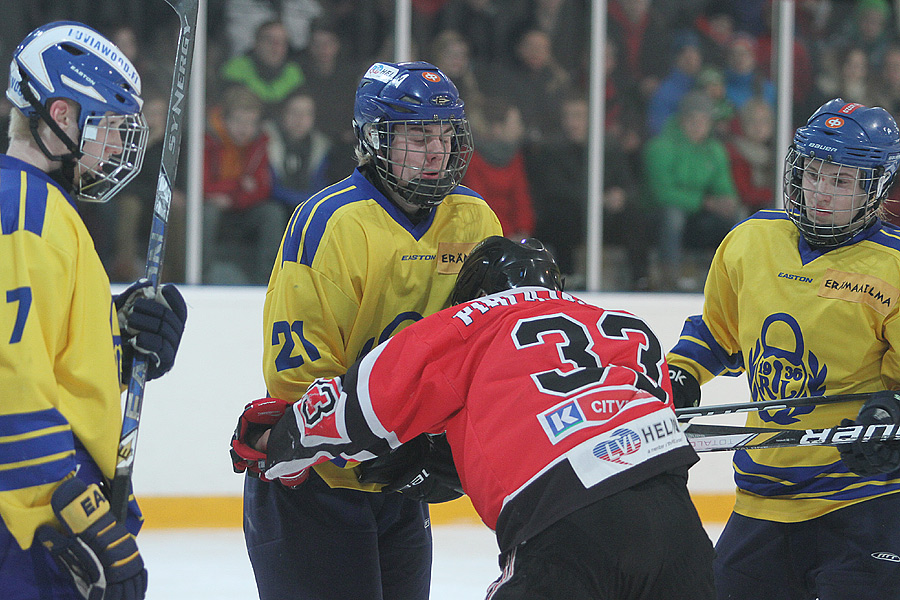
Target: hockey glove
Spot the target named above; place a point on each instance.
(685, 388)
(873, 458)
(150, 325)
(258, 417)
(422, 469)
(95, 549)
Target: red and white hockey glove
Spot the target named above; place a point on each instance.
(294, 479)
(258, 417)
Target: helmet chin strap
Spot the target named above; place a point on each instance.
(65, 174)
(44, 115)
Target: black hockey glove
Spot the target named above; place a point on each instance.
(685, 388)
(873, 458)
(96, 550)
(151, 326)
(422, 469)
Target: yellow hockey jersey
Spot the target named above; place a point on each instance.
(353, 270)
(59, 348)
(799, 322)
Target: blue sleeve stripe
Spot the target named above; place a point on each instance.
(308, 224)
(37, 474)
(35, 205)
(16, 450)
(10, 198)
(19, 423)
(698, 344)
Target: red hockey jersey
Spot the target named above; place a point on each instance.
(549, 404)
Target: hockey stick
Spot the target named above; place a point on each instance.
(685, 414)
(714, 438)
(187, 14)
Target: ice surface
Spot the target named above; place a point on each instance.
(212, 564)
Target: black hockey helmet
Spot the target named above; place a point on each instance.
(498, 263)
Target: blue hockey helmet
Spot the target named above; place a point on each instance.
(66, 59)
(497, 263)
(841, 140)
(417, 95)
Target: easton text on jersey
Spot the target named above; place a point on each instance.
(418, 257)
(793, 277)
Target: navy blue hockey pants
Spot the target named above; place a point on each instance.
(314, 542)
(853, 553)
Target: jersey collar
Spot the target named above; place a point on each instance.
(8, 162)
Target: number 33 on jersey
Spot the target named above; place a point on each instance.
(525, 382)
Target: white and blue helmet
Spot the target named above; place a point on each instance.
(858, 141)
(66, 59)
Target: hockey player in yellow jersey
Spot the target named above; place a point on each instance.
(359, 261)
(66, 345)
(805, 302)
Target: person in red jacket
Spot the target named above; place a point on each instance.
(750, 153)
(559, 417)
(497, 169)
(242, 227)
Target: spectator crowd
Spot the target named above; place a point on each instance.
(689, 121)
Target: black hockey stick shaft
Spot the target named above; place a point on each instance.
(715, 438)
(725, 409)
(187, 14)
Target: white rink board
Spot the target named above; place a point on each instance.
(189, 415)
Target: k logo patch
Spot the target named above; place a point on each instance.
(562, 419)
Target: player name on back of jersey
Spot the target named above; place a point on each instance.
(509, 298)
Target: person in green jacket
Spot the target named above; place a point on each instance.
(267, 69)
(688, 178)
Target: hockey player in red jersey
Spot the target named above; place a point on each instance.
(560, 420)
